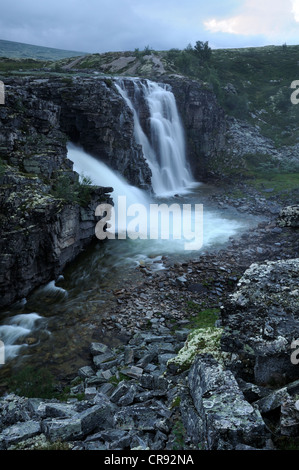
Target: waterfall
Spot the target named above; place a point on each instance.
(101, 175)
(164, 143)
(14, 333)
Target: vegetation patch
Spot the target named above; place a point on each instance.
(73, 191)
(38, 383)
(204, 318)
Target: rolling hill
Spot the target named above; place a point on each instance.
(17, 50)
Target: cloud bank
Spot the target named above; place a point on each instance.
(118, 25)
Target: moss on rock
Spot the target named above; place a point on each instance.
(199, 341)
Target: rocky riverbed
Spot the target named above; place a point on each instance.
(200, 335)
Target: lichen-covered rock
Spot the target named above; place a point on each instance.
(199, 341)
(19, 432)
(260, 321)
(228, 419)
(289, 217)
(289, 418)
(41, 230)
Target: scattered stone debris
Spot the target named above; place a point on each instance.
(145, 395)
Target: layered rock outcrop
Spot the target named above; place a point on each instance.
(94, 115)
(47, 217)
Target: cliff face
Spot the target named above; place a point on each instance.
(47, 218)
(204, 123)
(94, 115)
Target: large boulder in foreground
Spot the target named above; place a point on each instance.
(229, 422)
(261, 323)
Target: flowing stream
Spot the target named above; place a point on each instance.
(57, 323)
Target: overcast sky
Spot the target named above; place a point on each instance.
(119, 25)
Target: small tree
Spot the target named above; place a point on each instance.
(202, 50)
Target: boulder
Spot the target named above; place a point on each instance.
(19, 432)
(289, 216)
(260, 322)
(228, 420)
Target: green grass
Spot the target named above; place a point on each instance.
(38, 383)
(10, 65)
(264, 173)
(261, 78)
(280, 183)
(32, 383)
(179, 433)
(73, 191)
(18, 50)
(205, 318)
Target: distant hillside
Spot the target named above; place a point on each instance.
(18, 50)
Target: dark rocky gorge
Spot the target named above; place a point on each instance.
(178, 381)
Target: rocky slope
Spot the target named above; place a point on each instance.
(179, 384)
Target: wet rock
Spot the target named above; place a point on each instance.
(78, 426)
(62, 430)
(59, 410)
(147, 417)
(120, 390)
(90, 393)
(128, 397)
(134, 372)
(100, 359)
(128, 355)
(191, 419)
(86, 372)
(182, 280)
(153, 382)
(147, 359)
(272, 401)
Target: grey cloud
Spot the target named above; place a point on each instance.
(115, 25)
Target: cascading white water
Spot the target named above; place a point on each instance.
(216, 228)
(14, 333)
(164, 149)
(101, 175)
